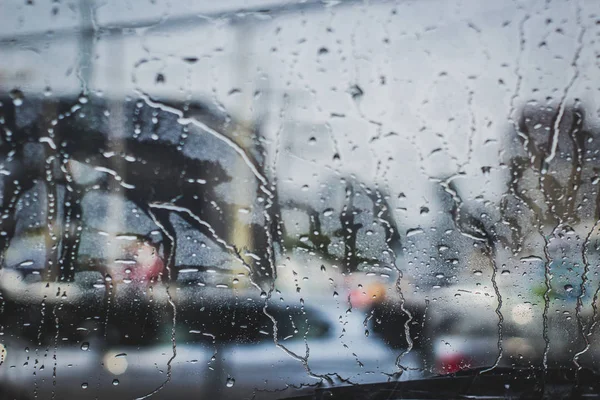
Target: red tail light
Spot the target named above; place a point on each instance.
(451, 363)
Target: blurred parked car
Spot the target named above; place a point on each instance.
(224, 346)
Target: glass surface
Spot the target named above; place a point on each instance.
(264, 199)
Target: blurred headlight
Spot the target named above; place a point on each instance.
(115, 363)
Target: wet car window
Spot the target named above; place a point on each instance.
(274, 199)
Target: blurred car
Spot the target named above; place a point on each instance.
(220, 345)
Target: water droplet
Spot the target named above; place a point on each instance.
(366, 332)
(335, 294)
(85, 346)
(477, 273)
(356, 92)
(328, 212)
(27, 263)
(505, 272)
(84, 385)
(312, 140)
(17, 97)
(439, 275)
(83, 99)
(413, 232)
(263, 295)
(323, 268)
(424, 210)
(568, 288)
(115, 382)
(230, 382)
(531, 258)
